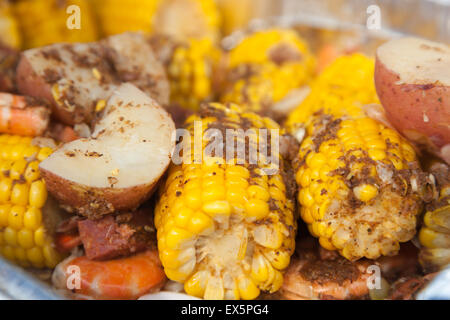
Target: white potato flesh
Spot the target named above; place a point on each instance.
(131, 145)
(417, 61)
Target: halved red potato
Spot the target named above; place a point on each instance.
(412, 78)
(75, 78)
(134, 61)
(117, 168)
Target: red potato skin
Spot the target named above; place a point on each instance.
(94, 203)
(8, 63)
(408, 105)
(30, 84)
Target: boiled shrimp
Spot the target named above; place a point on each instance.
(403, 264)
(125, 278)
(406, 288)
(19, 116)
(314, 274)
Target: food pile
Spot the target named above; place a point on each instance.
(115, 163)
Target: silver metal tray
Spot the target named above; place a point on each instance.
(17, 283)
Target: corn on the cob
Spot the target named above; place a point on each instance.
(191, 71)
(237, 13)
(118, 16)
(23, 237)
(182, 19)
(43, 22)
(225, 230)
(9, 32)
(358, 178)
(435, 234)
(266, 68)
(347, 81)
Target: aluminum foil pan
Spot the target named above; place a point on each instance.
(438, 289)
(350, 23)
(16, 283)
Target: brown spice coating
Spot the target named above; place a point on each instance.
(283, 53)
(8, 62)
(321, 271)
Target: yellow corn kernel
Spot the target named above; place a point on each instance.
(268, 237)
(8, 253)
(398, 164)
(170, 259)
(177, 238)
(279, 259)
(30, 151)
(44, 153)
(427, 237)
(217, 208)
(247, 289)
(345, 252)
(305, 178)
(214, 193)
(4, 214)
(35, 256)
(32, 171)
(32, 218)
(5, 167)
(17, 152)
(377, 154)
(196, 284)
(258, 192)
(176, 274)
(277, 282)
(199, 222)
(6, 152)
(25, 238)
(17, 169)
(239, 171)
(39, 236)
(51, 256)
(10, 236)
(306, 215)
(257, 208)
(101, 104)
(182, 216)
(5, 189)
(305, 198)
(19, 194)
(260, 267)
(315, 160)
(365, 192)
(20, 254)
(235, 196)
(236, 182)
(324, 242)
(15, 219)
(38, 194)
(193, 198)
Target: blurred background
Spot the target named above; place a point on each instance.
(31, 23)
